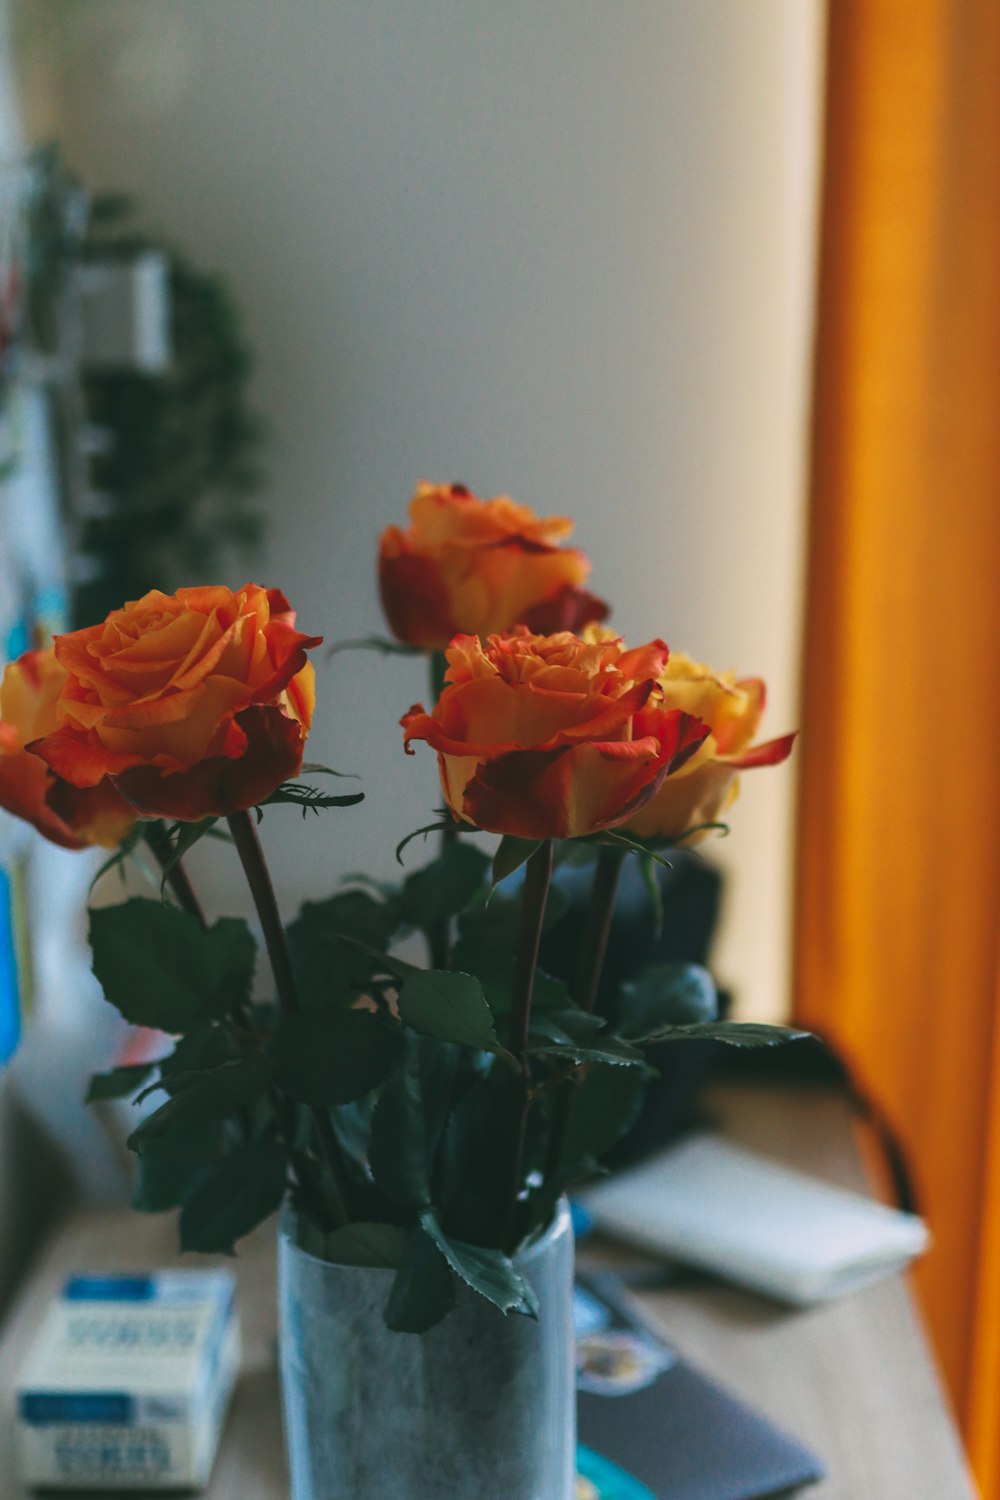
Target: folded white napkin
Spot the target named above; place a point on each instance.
(752, 1221)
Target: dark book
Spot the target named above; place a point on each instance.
(678, 1432)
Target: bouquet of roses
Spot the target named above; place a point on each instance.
(426, 1119)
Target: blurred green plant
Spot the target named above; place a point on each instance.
(179, 462)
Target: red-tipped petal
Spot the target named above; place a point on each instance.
(415, 601)
(95, 814)
(571, 609)
(219, 786)
(770, 753)
(564, 793)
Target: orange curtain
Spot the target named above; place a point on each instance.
(899, 860)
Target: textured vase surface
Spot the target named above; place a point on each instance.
(481, 1407)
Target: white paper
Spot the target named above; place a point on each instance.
(755, 1222)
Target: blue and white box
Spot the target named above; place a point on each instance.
(128, 1382)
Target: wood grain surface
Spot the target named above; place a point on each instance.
(853, 1379)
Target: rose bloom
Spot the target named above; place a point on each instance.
(477, 567)
(68, 816)
(196, 704)
(707, 784)
(536, 735)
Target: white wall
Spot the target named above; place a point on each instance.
(562, 249)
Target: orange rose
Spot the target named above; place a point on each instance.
(480, 566)
(536, 734)
(196, 704)
(707, 784)
(28, 695)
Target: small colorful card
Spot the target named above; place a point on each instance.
(599, 1479)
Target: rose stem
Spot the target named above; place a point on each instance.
(600, 914)
(178, 880)
(175, 874)
(537, 877)
(259, 880)
(439, 935)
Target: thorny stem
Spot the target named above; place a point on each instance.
(177, 878)
(537, 878)
(600, 914)
(251, 855)
(439, 936)
(175, 874)
(599, 918)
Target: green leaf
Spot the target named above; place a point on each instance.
(606, 1105)
(511, 854)
(362, 1244)
(308, 798)
(611, 837)
(424, 1289)
(438, 1065)
(332, 968)
(647, 870)
(476, 1159)
(564, 1028)
(496, 923)
(117, 860)
(197, 1052)
(397, 1150)
(182, 837)
(488, 1272)
(171, 1166)
(212, 1095)
(735, 1033)
(448, 1006)
(162, 969)
(445, 887)
(495, 971)
(612, 1050)
(326, 1056)
(667, 994)
(119, 1082)
(440, 826)
(235, 1195)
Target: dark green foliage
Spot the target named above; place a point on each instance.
(606, 1104)
(357, 1244)
(424, 1289)
(307, 798)
(171, 1167)
(328, 969)
(213, 1094)
(119, 1082)
(326, 1056)
(667, 994)
(488, 1272)
(735, 1033)
(398, 1149)
(183, 462)
(448, 1006)
(444, 887)
(435, 1122)
(478, 1153)
(160, 968)
(511, 854)
(233, 1196)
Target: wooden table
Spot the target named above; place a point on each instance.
(853, 1379)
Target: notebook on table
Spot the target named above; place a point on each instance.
(755, 1222)
(664, 1423)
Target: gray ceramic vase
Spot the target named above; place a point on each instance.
(482, 1407)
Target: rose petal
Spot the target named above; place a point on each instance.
(219, 786)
